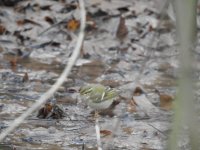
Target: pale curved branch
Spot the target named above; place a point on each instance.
(13, 125)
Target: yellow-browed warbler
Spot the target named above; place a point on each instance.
(98, 96)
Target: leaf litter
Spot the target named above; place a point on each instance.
(37, 39)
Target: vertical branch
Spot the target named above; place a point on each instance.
(13, 125)
(185, 105)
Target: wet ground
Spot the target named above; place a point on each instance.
(135, 54)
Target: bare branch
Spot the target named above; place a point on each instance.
(53, 89)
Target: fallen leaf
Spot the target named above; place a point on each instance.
(123, 9)
(128, 130)
(9, 3)
(145, 147)
(2, 29)
(45, 111)
(25, 77)
(138, 91)
(164, 67)
(150, 29)
(50, 111)
(132, 106)
(69, 7)
(71, 90)
(49, 20)
(122, 30)
(105, 132)
(73, 24)
(90, 23)
(45, 7)
(57, 113)
(13, 62)
(166, 101)
(26, 21)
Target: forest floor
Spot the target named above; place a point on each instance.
(128, 46)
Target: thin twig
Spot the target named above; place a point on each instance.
(54, 25)
(157, 129)
(58, 83)
(97, 128)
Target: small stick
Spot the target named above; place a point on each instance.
(97, 128)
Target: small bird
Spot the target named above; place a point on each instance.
(97, 96)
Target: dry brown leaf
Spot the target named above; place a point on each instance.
(128, 130)
(150, 28)
(45, 7)
(45, 111)
(2, 29)
(164, 67)
(132, 106)
(25, 77)
(166, 101)
(145, 146)
(26, 21)
(50, 111)
(91, 24)
(122, 30)
(138, 91)
(13, 62)
(49, 20)
(73, 24)
(105, 132)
